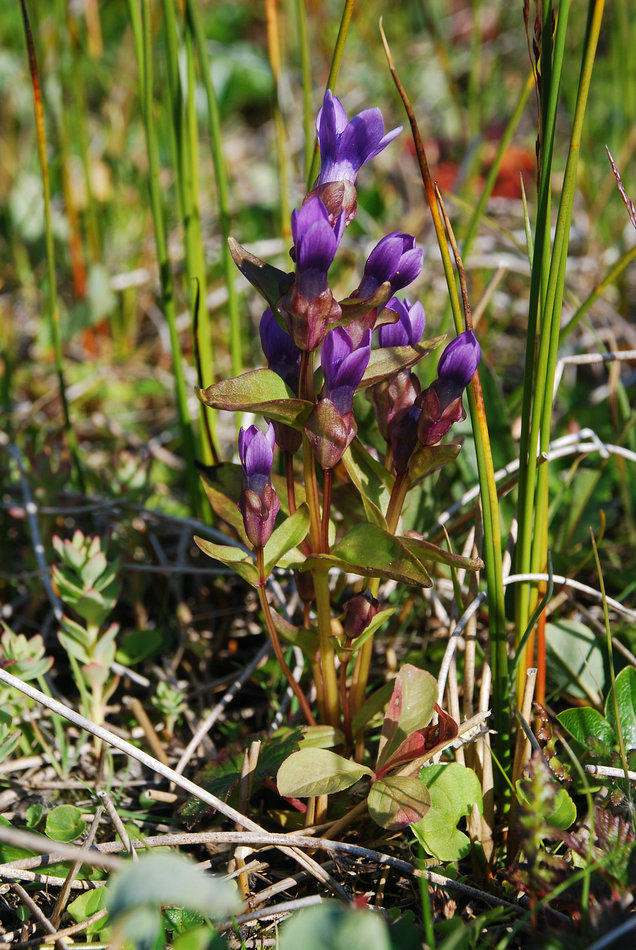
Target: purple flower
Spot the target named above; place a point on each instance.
(315, 246)
(410, 325)
(460, 359)
(343, 367)
(258, 502)
(281, 353)
(346, 146)
(441, 404)
(394, 259)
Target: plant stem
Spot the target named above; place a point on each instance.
(273, 635)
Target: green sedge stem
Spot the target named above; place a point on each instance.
(54, 315)
(273, 46)
(167, 289)
(336, 60)
(273, 635)
(222, 187)
(305, 69)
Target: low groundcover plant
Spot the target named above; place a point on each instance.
(321, 353)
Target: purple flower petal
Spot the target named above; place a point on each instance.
(281, 353)
(315, 244)
(343, 366)
(410, 325)
(460, 359)
(346, 146)
(256, 452)
(395, 259)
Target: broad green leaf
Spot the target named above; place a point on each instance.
(578, 663)
(410, 708)
(334, 926)
(290, 533)
(136, 645)
(87, 904)
(171, 879)
(583, 722)
(317, 772)
(363, 472)
(626, 699)
(563, 811)
(426, 551)
(428, 458)
(259, 390)
(454, 790)
(65, 823)
(386, 362)
(10, 853)
(321, 737)
(233, 557)
(369, 551)
(396, 801)
(33, 815)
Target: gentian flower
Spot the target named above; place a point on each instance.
(343, 367)
(394, 260)
(258, 502)
(441, 404)
(345, 146)
(281, 353)
(283, 357)
(331, 427)
(409, 327)
(309, 305)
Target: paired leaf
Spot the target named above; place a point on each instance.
(371, 480)
(410, 709)
(454, 790)
(317, 772)
(290, 533)
(396, 801)
(369, 551)
(259, 390)
(426, 459)
(426, 551)
(233, 557)
(270, 282)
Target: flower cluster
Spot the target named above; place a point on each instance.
(305, 318)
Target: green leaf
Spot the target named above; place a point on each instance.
(372, 705)
(33, 815)
(369, 631)
(259, 390)
(374, 489)
(386, 362)
(136, 645)
(290, 533)
(410, 708)
(583, 722)
(578, 663)
(317, 772)
(65, 823)
(425, 551)
(307, 640)
(396, 801)
(454, 790)
(355, 307)
(626, 699)
(426, 459)
(165, 878)
(87, 904)
(321, 737)
(563, 811)
(369, 551)
(334, 926)
(233, 557)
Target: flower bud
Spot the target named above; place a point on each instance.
(258, 502)
(359, 612)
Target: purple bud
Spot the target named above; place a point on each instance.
(315, 246)
(345, 146)
(394, 259)
(281, 353)
(343, 367)
(459, 361)
(410, 325)
(258, 502)
(359, 612)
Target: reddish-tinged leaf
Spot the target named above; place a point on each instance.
(424, 742)
(398, 801)
(410, 709)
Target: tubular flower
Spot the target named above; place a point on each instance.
(258, 502)
(409, 327)
(283, 357)
(345, 146)
(309, 306)
(441, 404)
(331, 427)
